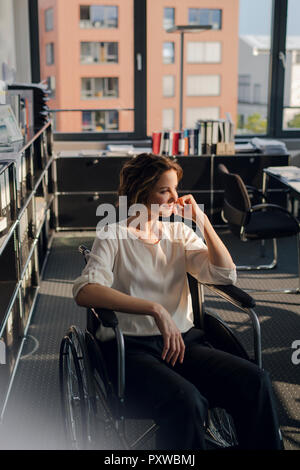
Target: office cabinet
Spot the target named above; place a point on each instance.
(27, 185)
(84, 182)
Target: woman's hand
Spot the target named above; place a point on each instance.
(187, 207)
(174, 346)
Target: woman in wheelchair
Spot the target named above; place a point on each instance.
(137, 267)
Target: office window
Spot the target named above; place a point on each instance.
(98, 16)
(98, 52)
(204, 16)
(203, 52)
(100, 87)
(168, 118)
(203, 85)
(254, 43)
(168, 85)
(169, 18)
(168, 52)
(291, 99)
(194, 114)
(99, 121)
(50, 53)
(49, 19)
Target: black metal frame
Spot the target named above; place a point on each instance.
(276, 76)
(33, 13)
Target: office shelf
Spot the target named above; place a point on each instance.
(24, 244)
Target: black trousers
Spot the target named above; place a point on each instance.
(178, 397)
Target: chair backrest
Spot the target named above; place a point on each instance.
(236, 199)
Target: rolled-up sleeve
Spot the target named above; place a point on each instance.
(198, 264)
(99, 268)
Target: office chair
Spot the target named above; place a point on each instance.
(256, 222)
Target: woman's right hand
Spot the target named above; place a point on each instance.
(174, 346)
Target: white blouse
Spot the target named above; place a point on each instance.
(155, 272)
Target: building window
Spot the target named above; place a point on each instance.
(168, 119)
(50, 53)
(194, 114)
(244, 88)
(203, 85)
(203, 52)
(257, 93)
(297, 58)
(51, 86)
(100, 87)
(98, 16)
(169, 18)
(168, 85)
(49, 19)
(98, 52)
(168, 53)
(204, 16)
(97, 121)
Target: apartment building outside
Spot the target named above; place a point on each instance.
(87, 57)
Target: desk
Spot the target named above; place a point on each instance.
(286, 176)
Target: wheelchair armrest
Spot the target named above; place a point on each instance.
(245, 302)
(233, 294)
(107, 317)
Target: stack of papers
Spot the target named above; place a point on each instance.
(288, 174)
(270, 146)
(127, 150)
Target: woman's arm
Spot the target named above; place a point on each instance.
(98, 296)
(218, 254)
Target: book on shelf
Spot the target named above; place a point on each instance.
(174, 143)
(5, 194)
(156, 138)
(164, 143)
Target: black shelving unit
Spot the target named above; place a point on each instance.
(24, 244)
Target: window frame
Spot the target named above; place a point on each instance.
(276, 77)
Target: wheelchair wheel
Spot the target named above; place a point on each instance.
(77, 390)
(220, 431)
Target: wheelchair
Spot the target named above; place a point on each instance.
(96, 413)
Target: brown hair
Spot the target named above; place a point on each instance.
(139, 175)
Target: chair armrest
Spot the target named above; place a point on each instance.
(260, 207)
(254, 193)
(106, 317)
(233, 294)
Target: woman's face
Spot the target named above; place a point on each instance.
(164, 193)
